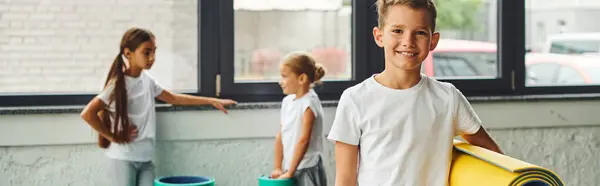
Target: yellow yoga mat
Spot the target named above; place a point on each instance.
(475, 166)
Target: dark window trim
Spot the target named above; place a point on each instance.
(208, 33)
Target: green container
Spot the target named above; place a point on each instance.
(266, 181)
(185, 181)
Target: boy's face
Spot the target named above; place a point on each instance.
(406, 37)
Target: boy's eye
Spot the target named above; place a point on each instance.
(422, 33)
(397, 31)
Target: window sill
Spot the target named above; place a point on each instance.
(276, 105)
(159, 108)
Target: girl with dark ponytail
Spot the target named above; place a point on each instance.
(123, 114)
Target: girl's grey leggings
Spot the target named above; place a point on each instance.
(131, 173)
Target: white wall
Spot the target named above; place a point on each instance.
(58, 149)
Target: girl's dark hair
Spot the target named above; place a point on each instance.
(120, 129)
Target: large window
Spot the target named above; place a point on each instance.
(559, 34)
(59, 46)
(67, 47)
(58, 52)
(467, 48)
(265, 31)
(256, 36)
(471, 53)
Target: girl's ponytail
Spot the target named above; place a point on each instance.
(120, 124)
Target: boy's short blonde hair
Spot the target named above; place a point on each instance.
(383, 5)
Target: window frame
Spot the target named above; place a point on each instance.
(270, 91)
(363, 48)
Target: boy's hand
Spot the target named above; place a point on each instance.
(221, 103)
(276, 173)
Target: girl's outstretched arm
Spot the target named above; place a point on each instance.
(184, 99)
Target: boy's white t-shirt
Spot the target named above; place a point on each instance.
(141, 92)
(405, 136)
(292, 111)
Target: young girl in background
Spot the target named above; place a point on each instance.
(299, 142)
(124, 113)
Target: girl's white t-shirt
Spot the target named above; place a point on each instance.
(141, 94)
(292, 110)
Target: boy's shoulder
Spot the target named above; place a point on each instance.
(444, 90)
(435, 84)
(358, 89)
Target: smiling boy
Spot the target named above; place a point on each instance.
(403, 121)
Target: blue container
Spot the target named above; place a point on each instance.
(267, 181)
(185, 181)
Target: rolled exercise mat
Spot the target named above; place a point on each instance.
(473, 165)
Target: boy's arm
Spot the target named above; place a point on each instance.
(307, 124)
(346, 158)
(482, 139)
(183, 99)
(346, 132)
(469, 126)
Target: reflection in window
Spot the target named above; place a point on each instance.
(452, 66)
(568, 75)
(593, 73)
(541, 74)
(464, 65)
(575, 47)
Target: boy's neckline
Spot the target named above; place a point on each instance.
(409, 89)
(398, 82)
